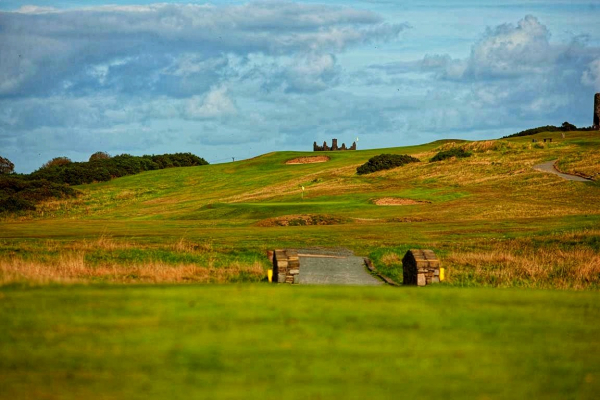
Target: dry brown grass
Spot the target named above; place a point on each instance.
(513, 263)
(396, 201)
(103, 242)
(584, 163)
(184, 245)
(71, 268)
(308, 160)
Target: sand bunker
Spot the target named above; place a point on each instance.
(308, 160)
(394, 201)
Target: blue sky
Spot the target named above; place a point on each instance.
(227, 79)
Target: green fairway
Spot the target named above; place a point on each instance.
(265, 342)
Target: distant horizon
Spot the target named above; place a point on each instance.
(234, 79)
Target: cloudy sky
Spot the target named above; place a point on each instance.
(228, 78)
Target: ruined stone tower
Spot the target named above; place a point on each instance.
(597, 111)
(334, 146)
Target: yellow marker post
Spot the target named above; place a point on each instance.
(270, 275)
(442, 274)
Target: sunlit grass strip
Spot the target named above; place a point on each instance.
(86, 262)
(72, 268)
(552, 268)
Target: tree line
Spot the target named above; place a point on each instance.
(565, 127)
(54, 178)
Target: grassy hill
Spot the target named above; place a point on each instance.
(485, 215)
(90, 309)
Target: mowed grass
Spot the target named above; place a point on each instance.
(260, 341)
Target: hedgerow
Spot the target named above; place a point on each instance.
(100, 170)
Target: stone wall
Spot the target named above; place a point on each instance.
(420, 267)
(286, 266)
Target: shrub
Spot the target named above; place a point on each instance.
(17, 193)
(99, 155)
(57, 162)
(12, 204)
(385, 161)
(457, 152)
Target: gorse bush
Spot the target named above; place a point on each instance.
(385, 161)
(57, 162)
(19, 194)
(105, 169)
(99, 155)
(457, 152)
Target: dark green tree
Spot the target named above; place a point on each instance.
(99, 155)
(57, 162)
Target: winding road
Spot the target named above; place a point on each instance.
(549, 168)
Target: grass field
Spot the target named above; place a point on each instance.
(260, 341)
(107, 295)
(482, 215)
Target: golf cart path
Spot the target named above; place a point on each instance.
(333, 267)
(549, 167)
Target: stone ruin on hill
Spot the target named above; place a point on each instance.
(334, 146)
(596, 123)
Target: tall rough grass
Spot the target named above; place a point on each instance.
(559, 269)
(72, 266)
(519, 263)
(568, 260)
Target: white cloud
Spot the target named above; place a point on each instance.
(59, 44)
(510, 50)
(215, 104)
(591, 76)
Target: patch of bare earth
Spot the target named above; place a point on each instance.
(308, 160)
(300, 220)
(395, 201)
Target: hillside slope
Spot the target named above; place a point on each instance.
(454, 206)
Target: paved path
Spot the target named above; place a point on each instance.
(549, 167)
(333, 267)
